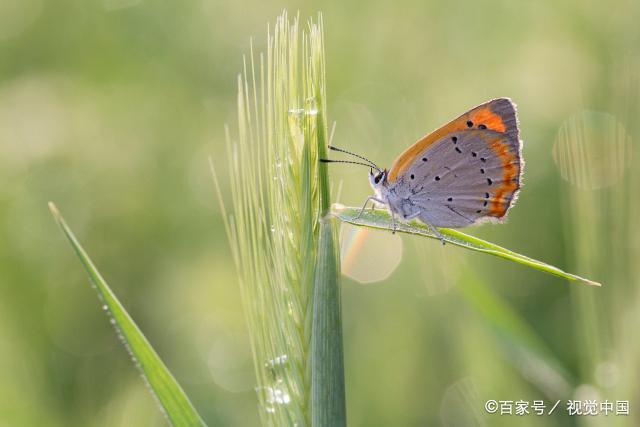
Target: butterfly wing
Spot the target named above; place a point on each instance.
(498, 115)
(465, 174)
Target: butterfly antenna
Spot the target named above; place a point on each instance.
(334, 148)
(349, 162)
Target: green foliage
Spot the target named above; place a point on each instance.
(172, 399)
(328, 406)
(380, 218)
(279, 195)
(112, 107)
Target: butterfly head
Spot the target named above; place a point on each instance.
(378, 179)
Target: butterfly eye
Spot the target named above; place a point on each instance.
(378, 178)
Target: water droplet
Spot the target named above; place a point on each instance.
(277, 396)
(276, 367)
(105, 307)
(290, 308)
(277, 361)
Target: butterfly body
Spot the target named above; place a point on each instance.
(464, 173)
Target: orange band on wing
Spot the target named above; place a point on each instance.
(510, 172)
(479, 116)
(491, 120)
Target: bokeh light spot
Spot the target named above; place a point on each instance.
(367, 255)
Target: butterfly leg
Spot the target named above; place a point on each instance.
(433, 229)
(370, 198)
(436, 232)
(394, 224)
(410, 217)
(413, 215)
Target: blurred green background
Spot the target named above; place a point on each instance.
(111, 108)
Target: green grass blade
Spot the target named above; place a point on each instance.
(327, 361)
(174, 402)
(328, 406)
(522, 345)
(381, 219)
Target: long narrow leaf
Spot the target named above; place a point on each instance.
(328, 406)
(174, 402)
(380, 218)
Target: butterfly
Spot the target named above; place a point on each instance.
(467, 172)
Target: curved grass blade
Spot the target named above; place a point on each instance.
(522, 345)
(381, 219)
(172, 399)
